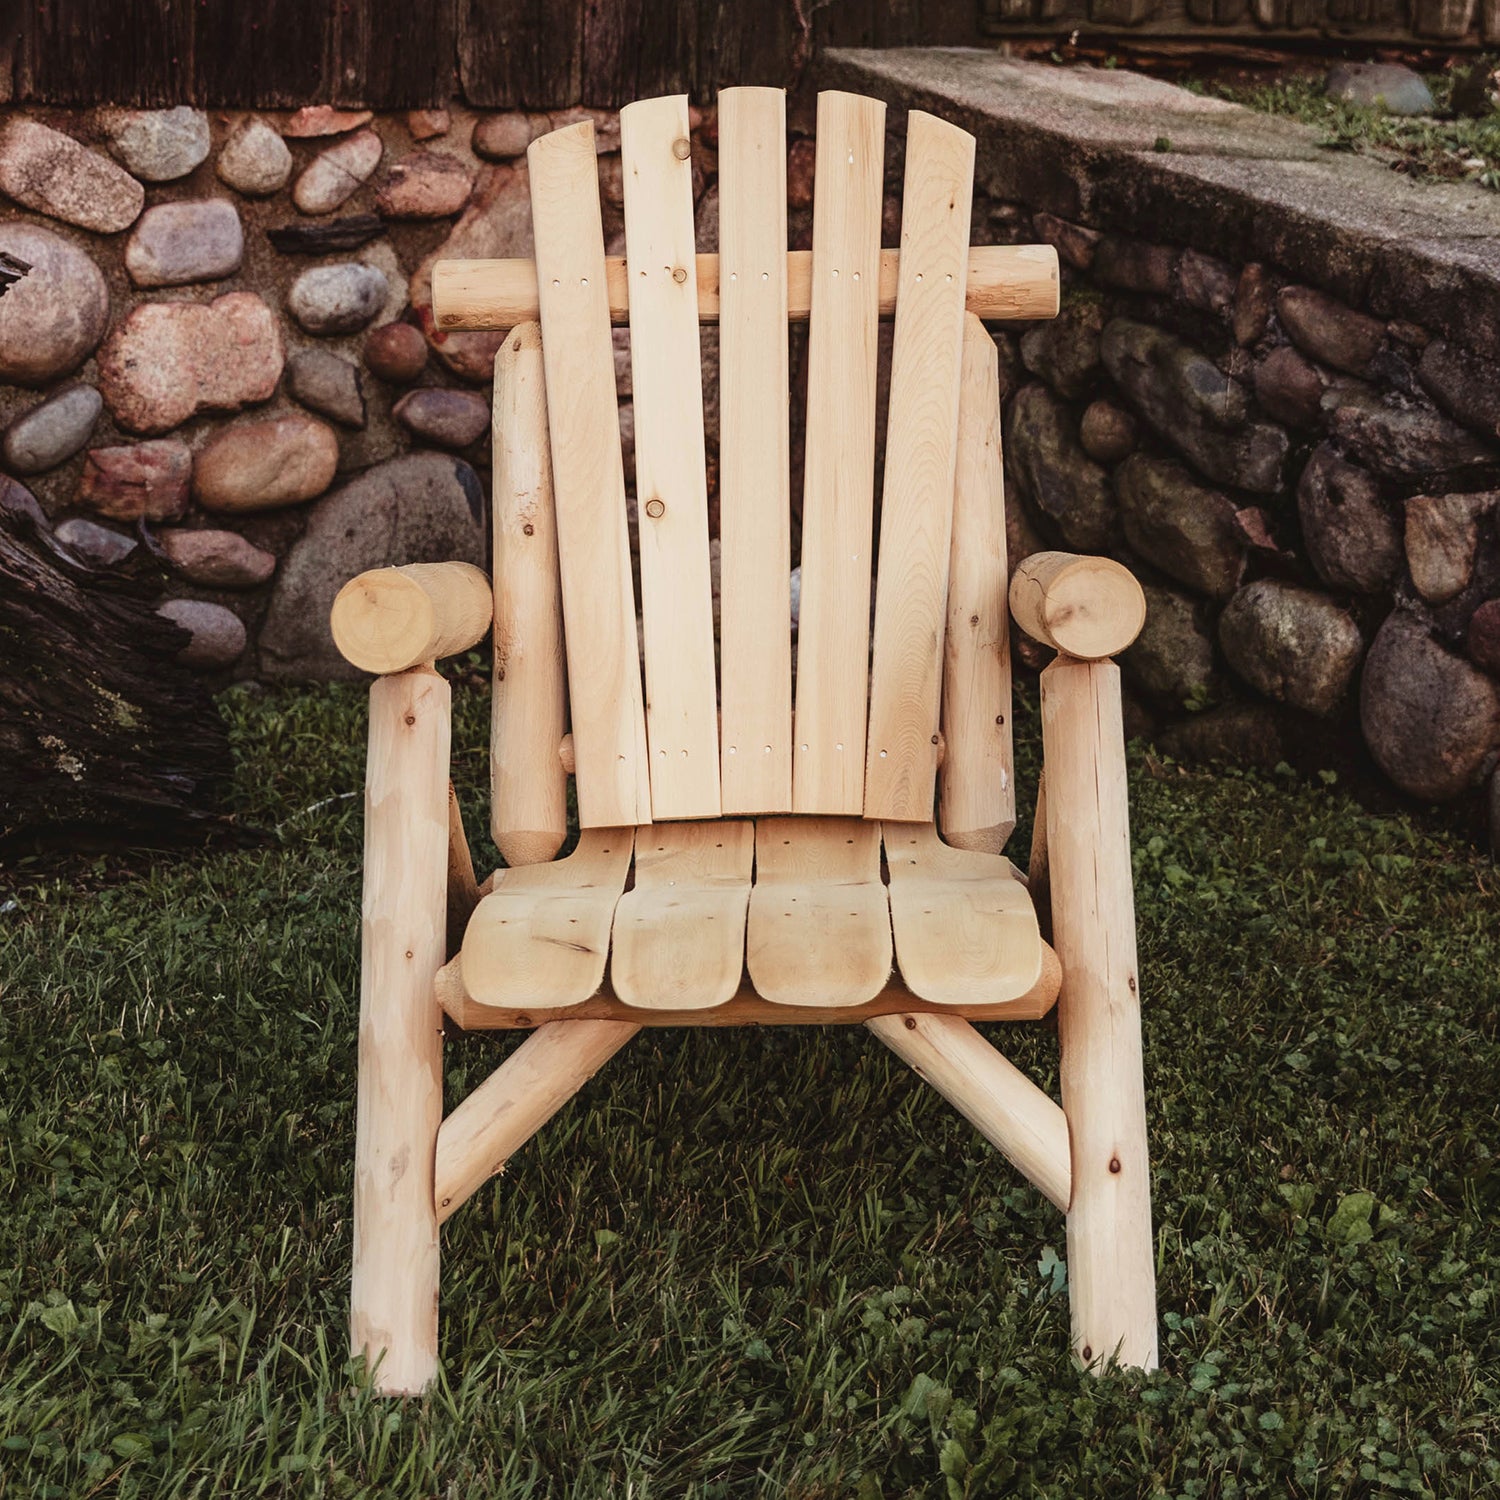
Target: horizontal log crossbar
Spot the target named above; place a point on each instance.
(1006, 283)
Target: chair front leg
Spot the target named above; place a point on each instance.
(394, 1303)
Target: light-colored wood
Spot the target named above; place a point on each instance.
(964, 924)
(976, 783)
(833, 635)
(679, 935)
(463, 889)
(393, 1307)
(1085, 607)
(390, 619)
(916, 510)
(1005, 283)
(528, 705)
(1021, 1122)
(819, 929)
(1111, 1265)
(744, 1008)
(515, 1101)
(1038, 869)
(670, 476)
(588, 480)
(754, 455)
(542, 934)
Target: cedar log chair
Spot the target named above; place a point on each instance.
(742, 861)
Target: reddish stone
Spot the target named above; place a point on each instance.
(1074, 243)
(427, 124)
(217, 559)
(424, 185)
(396, 352)
(1484, 637)
(501, 137)
(323, 119)
(138, 481)
(800, 161)
(1253, 299)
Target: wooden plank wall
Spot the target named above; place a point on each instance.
(395, 54)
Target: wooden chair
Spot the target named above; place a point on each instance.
(743, 860)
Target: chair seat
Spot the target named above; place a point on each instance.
(813, 936)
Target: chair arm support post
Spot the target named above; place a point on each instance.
(393, 1312)
(392, 619)
(1111, 1263)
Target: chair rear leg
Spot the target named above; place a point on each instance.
(394, 1302)
(1111, 1264)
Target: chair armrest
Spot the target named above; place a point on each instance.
(391, 619)
(1088, 608)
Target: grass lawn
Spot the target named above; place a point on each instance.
(759, 1263)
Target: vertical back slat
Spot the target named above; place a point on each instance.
(976, 786)
(604, 677)
(916, 518)
(833, 637)
(671, 485)
(755, 636)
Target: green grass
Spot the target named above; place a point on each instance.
(763, 1263)
(1434, 147)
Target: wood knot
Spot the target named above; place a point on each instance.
(1088, 1354)
(529, 529)
(682, 148)
(1114, 1164)
(911, 1023)
(679, 275)
(655, 509)
(411, 718)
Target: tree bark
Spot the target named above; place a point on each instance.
(104, 737)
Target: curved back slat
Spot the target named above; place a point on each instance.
(754, 454)
(833, 638)
(670, 480)
(588, 476)
(920, 453)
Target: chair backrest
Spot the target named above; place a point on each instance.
(703, 739)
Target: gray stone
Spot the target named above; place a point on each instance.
(450, 419)
(53, 431)
(1180, 526)
(1065, 351)
(330, 300)
(1052, 472)
(1075, 244)
(1325, 328)
(424, 185)
(1290, 388)
(1352, 539)
(328, 384)
(1135, 265)
(337, 173)
(217, 559)
(158, 145)
(1173, 656)
(255, 160)
(138, 481)
(265, 463)
(49, 172)
(166, 361)
(1431, 720)
(1292, 644)
(427, 507)
(99, 546)
(52, 319)
(1404, 442)
(1206, 282)
(192, 240)
(1106, 432)
(1442, 541)
(501, 137)
(1388, 86)
(1239, 734)
(216, 635)
(1195, 406)
(1464, 385)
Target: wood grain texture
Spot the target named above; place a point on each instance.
(916, 513)
(393, 1308)
(481, 1135)
(679, 935)
(1086, 607)
(754, 455)
(1005, 283)
(670, 475)
(819, 930)
(976, 784)
(389, 619)
(1021, 1122)
(964, 926)
(529, 700)
(1111, 1255)
(833, 640)
(588, 478)
(542, 934)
